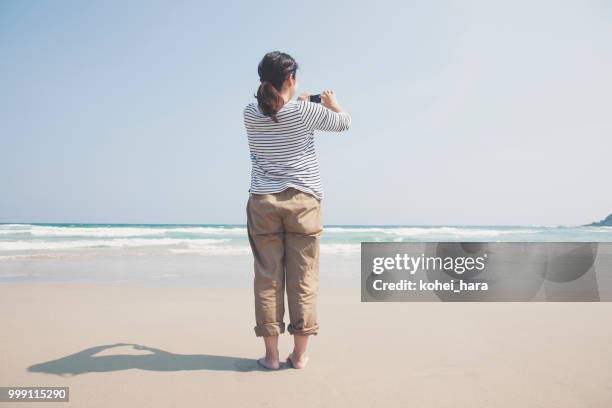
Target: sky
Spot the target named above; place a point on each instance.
(463, 113)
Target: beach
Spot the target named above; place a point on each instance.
(142, 345)
(163, 315)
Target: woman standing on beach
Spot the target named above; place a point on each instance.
(284, 221)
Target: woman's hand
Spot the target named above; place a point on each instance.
(328, 99)
(304, 97)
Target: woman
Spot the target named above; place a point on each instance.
(284, 207)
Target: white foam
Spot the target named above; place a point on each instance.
(49, 231)
(113, 243)
(434, 231)
(604, 229)
(454, 231)
(352, 230)
(211, 230)
(336, 249)
(109, 232)
(14, 228)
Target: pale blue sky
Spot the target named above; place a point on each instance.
(463, 112)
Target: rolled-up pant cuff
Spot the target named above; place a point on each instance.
(305, 331)
(269, 329)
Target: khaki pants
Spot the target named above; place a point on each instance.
(284, 233)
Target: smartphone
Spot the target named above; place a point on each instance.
(315, 98)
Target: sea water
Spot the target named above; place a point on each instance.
(216, 254)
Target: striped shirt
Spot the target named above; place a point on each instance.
(283, 154)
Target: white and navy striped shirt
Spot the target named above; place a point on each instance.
(283, 154)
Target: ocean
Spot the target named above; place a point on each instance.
(216, 254)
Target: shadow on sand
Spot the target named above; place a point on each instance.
(157, 360)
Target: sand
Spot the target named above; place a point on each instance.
(196, 347)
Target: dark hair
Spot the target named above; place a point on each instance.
(275, 67)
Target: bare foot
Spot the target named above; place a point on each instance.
(297, 362)
(270, 365)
